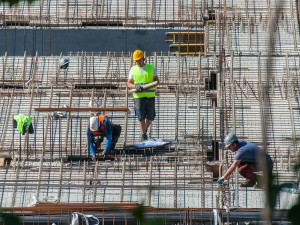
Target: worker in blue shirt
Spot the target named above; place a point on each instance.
(246, 159)
(99, 127)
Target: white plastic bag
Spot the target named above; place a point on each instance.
(83, 219)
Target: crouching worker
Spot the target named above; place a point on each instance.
(249, 159)
(99, 127)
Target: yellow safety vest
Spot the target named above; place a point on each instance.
(21, 120)
(146, 78)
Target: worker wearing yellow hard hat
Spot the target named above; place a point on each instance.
(142, 74)
(138, 54)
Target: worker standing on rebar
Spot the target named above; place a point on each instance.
(99, 127)
(144, 99)
(247, 160)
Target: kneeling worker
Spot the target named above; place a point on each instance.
(100, 127)
(246, 159)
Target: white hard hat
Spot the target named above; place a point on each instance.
(229, 139)
(94, 123)
(63, 63)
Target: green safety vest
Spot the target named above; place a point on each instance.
(146, 78)
(21, 120)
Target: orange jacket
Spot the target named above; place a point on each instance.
(102, 128)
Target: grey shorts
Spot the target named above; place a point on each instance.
(145, 108)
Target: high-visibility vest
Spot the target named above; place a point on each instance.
(21, 120)
(142, 79)
(102, 131)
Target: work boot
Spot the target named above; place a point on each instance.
(112, 146)
(144, 137)
(250, 183)
(104, 153)
(258, 185)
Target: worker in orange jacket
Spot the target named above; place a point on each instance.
(99, 127)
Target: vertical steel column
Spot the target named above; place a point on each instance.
(202, 195)
(60, 180)
(47, 123)
(232, 95)
(234, 123)
(155, 66)
(126, 117)
(82, 60)
(176, 113)
(4, 66)
(150, 182)
(249, 33)
(108, 64)
(84, 181)
(68, 121)
(293, 24)
(13, 200)
(24, 68)
(102, 8)
(199, 98)
(67, 10)
(123, 181)
(213, 101)
(105, 98)
(175, 184)
(92, 8)
(11, 100)
(206, 41)
(289, 97)
(153, 10)
(95, 182)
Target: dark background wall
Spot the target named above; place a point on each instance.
(54, 41)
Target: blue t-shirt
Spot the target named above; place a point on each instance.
(247, 152)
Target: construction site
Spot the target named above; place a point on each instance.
(223, 66)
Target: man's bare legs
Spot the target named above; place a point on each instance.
(144, 125)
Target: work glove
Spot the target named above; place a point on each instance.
(107, 151)
(220, 180)
(139, 88)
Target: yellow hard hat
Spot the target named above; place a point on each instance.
(138, 54)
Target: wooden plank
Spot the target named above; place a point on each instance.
(185, 45)
(2, 161)
(186, 32)
(146, 86)
(80, 109)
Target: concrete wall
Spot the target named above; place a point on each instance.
(54, 41)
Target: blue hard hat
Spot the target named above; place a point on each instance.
(229, 139)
